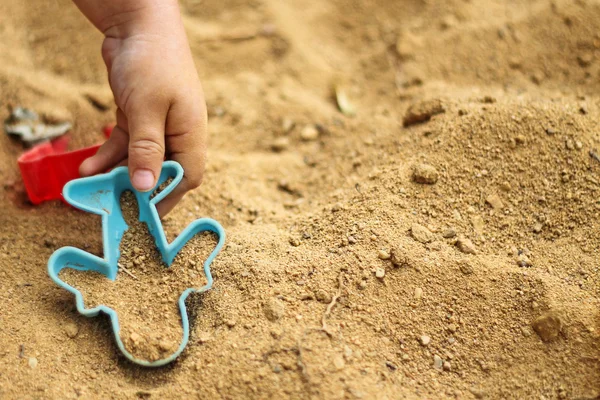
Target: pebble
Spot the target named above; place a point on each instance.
(477, 392)
(523, 261)
(449, 233)
(362, 285)
(452, 328)
(418, 293)
(322, 296)
(505, 187)
(422, 111)
(338, 362)
(280, 144)
(466, 245)
(407, 44)
(447, 366)
(379, 272)
(425, 340)
(135, 337)
(466, 268)
(274, 309)
(425, 174)
(230, 323)
(287, 125)
(71, 329)
(309, 133)
(569, 144)
(478, 224)
(548, 326)
(398, 259)
(495, 201)
(204, 337)
(438, 363)
(537, 228)
(383, 255)
(421, 234)
(33, 362)
(164, 345)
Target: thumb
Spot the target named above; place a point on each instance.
(146, 147)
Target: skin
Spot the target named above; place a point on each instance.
(161, 111)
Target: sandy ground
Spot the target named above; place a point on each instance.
(442, 243)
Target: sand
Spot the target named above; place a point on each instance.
(146, 292)
(443, 242)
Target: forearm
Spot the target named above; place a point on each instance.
(126, 18)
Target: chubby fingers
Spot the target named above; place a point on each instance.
(146, 143)
(111, 153)
(187, 147)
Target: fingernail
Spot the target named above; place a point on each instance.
(143, 180)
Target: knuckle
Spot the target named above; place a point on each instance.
(194, 181)
(146, 148)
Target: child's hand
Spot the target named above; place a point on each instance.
(160, 105)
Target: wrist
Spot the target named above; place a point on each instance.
(122, 19)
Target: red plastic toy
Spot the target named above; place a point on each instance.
(47, 167)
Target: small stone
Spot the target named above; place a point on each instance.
(418, 293)
(33, 362)
(449, 233)
(383, 255)
(322, 296)
(578, 145)
(407, 44)
(523, 261)
(537, 228)
(550, 131)
(421, 234)
(398, 259)
(71, 329)
(309, 133)
(495, 201)
(362, 285)
(338, 362)
(466, 268)
(505, 186)
(478, 224)
(164, 345)
(135, 337)
(287, 125)
(465, 245)
(447, 366)
(478, 393)
(525, 331)
(230, 323)
(425, 174)
(585, 59)
(425, 340)
(569, 144)
(204, 337)
(423, 111)
(280, 144)
(379, 272)
(438, 363)
(274, 309)
(452, 328)
(295, 242)
(547, 326)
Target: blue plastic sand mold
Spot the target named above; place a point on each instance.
(101, 195)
